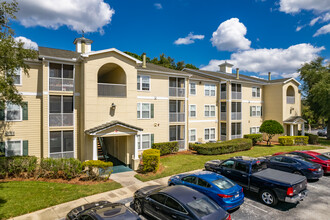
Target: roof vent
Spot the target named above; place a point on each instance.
(226, 67)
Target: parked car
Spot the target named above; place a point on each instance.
(252, 174)
(102, 210)
(176, 202)
(326, 154)
(315, 157)
(295, 164)
(223, 191)
(323, 132)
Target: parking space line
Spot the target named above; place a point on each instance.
(256, 207)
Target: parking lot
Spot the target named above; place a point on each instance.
(315, 206)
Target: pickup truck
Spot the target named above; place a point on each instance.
(253, 175)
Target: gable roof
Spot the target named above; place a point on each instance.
(110, 50)
(294, 120)
(157, 68)
(110, 124)
(52, 52)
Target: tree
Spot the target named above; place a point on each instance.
(271, 128)
(12, 56)
(316, 87)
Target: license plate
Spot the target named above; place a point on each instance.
(236, 195)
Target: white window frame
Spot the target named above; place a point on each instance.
(256, 111)
(208, 88)
(256, 130)
(255, 90)
(19, 71)
(21, 113)
(6, 146)
(192, 129)
(209, 111)
(141, 76)
(209, 139)
(140, 110)
(191, 111)
(139, 141)
(191, 88)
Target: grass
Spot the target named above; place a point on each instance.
(324, 141)
(186, 162)
(21, 197)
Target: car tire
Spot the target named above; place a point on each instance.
(138, 206)
(171, 184)
(268, 197)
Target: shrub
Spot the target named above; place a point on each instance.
(166, 147)
(312, 138)
(271, 128)
(286, 140)
(151, 160)
(65, 168)
(18, 166)
(300, 140)
(254, 137)
(97, 169)
(224, 147)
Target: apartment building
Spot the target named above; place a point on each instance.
(86, 104)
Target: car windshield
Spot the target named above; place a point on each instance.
(203, 207)
(223, 183)
(323, 157)
(258, 166)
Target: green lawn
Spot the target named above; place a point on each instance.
(182, 163)
(324, 142)
(18, 198)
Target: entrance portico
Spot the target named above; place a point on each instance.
(291, 125)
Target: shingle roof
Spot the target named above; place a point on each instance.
(109, 125)
(279, 80)
(52, 52)
(196, 77)
(294, 119)
(154, 67)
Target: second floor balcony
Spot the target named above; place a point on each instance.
(177, 117)
(236, 95)
(176, 92)
(236, 116)
(223, 116)
(60, 119)
(111, 90)
(61, 84)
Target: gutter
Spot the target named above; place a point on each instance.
(58, 58)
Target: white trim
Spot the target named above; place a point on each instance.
(96, 133)
(210, 139)
(215, 89)
(118, 133)
(153, 97)
(203, 120)
(21, 113)
(59, 58)
(203, 80)
(190, 88)
(190, 111)
(141, 134)
(256, 87)
(110, 50)
(31, 93)
(140, 110)
(250, 101)
(46, 92)
(140, 90)
(210, 116)
(6, 146)
(20, 77)
(192, 129)
(293, 80)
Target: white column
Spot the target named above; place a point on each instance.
(303, 129)
(291, 130)
(95, 157)
(136, 156)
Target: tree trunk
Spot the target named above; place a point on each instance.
(328, 129)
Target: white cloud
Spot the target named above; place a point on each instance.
(294, 6)
(230, 36)
(299, 28)
(323, 18)
(158, 6)
(323, 30)
(78, 15)
(190, 39)
(284, 62)
(314, 21)
(28, 44)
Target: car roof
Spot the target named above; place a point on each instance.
(114, 210)
(207, 175)
(248, 159)
(182, 193)
(309, 152)
(290, 155)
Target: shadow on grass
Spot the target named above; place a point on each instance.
(2, 201)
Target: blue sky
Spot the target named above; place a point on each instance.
(255, 35)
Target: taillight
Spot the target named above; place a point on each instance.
(225, 196)
(289, 192)
(311, 169)
(228, 217)
(242, 190)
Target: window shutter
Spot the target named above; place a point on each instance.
(260, 110)
(25, 111)
(2, 114)
(152, 138)
(2, 147)
(25, 148)
(250, 110)
(152, 110)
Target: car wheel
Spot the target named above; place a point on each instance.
(268, 197)
(171, 184)
(138, 206)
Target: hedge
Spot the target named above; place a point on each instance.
(166, 147)
(151, 160)
(224, 147)
(97, 169)
(312, 138)
(293, 140)
(18, 166)
(254, 137)
(65, 168)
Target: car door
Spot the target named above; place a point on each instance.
(190, 181)
(275, 163)
(240, 173)
(173, 210)
(226, 168)
(153, 205)
(289, 164)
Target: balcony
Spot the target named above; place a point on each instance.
(60, 84)
(290, 100)
(236, 95)
(223, 116)
(176, 92)
(111, 90)
(60, 119)
(223, 95)
(66, 154)
(177, 117)
(236, 116)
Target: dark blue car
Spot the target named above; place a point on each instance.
(223, 191)
(295, 164)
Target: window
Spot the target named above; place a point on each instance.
(223, 183)
(236, 111)
(144, 141)
(18, 76)
(241, 167)
(192, 111)
(209, 110)
(61, 77)
(223, 128)
(190, 179)
(144, 110)
(209, 134)
(192, 135)
(60, 110)
(177, 132)
(160, 198)
(254, 130)
(236, 91)
(255, 111)
(61, 144)
(276, 159)
(256, 92)
(203, 183)
(192, 90)
(13, 112)
(203, 207)
(143, 83)
(209, 90)
(223, 91)
(171, 203)
(14, 148)
(236, 130)
(228, 164)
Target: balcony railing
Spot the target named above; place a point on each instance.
(60, 119)
(177, 117)
(236, 115)
(236, 95)
(60, 84)
(223, 95)
(111, 90)
(236, 136)
(66, 154)
(223, 137)
(176, 91)
(290, 100)
(223, 116)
